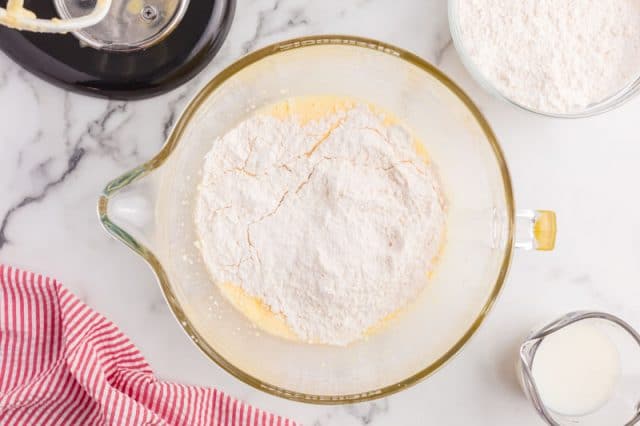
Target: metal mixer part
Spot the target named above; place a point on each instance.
(156, 48)
(129, 25)
(16, 16)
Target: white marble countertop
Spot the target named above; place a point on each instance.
(59, 150)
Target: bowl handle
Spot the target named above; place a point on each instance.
(535, 230)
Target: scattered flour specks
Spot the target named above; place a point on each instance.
(334, 224)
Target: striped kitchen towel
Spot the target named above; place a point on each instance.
(62, 363)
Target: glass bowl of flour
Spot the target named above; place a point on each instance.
(330, 220)
(553, 57)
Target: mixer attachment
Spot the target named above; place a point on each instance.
(16, 16)
(118, 49)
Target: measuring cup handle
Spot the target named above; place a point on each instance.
(535, 230)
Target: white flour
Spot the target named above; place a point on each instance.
(334, 224)
(556, 56)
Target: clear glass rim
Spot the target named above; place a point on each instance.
(610, 103)
(174, 138)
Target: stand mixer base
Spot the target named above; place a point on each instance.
(141, 49)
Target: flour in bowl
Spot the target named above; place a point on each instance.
(554, 56)
(332, 222)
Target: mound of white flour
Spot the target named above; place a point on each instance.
(334, 224)
(555, 56)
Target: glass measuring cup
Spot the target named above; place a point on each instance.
(623, 406)
(151, 210)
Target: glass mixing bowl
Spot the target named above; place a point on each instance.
(151, 210)
(611, 102)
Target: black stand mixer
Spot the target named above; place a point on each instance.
(119, 49)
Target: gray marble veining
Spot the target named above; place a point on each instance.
(60, 149)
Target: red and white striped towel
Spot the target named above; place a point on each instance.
(62, 363)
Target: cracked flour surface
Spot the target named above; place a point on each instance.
(334, 224)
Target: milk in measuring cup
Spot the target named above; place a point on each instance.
(576, 369)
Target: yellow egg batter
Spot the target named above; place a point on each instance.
(306, 109)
